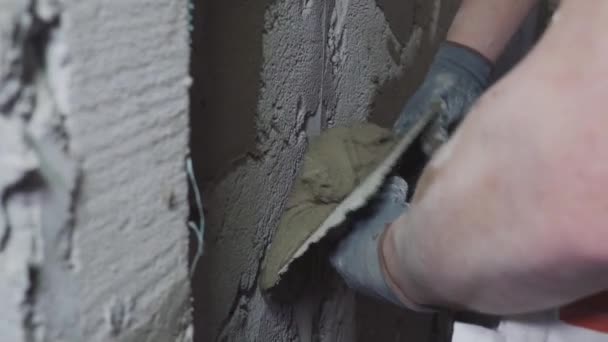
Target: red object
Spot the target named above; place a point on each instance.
(589, 313)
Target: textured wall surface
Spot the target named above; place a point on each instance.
(268, 75)
(93, 136)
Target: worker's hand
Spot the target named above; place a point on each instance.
(456, 78)
(356, 259)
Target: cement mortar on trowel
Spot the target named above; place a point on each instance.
(343, 169)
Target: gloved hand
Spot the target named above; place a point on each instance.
(456, 78)
(356, 258)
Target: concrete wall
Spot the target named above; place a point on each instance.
(93, 135)
(268, 75)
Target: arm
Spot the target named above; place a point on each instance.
(511, 215)
(487, 26)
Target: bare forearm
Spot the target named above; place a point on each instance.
(488, 25)
(510, 216)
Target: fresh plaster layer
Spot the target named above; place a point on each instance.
(129, 130)
(321, 64)
(94, 127)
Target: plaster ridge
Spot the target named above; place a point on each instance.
(22, 185)
(48, 139)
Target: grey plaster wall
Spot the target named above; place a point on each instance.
(93, 136)
(267, 76)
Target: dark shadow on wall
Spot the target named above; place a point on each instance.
(225, 65)
(226, 58)
(385, 322)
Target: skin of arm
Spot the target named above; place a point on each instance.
(487, 25)
(511, 215)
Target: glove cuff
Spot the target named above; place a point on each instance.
(465, 62)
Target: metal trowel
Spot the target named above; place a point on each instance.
(343, 169)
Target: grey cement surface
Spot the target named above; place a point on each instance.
(268, 75)
(93, 136)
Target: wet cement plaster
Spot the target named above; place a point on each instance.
(93, 136)
(268, 75)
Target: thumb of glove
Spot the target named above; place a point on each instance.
(356, 258)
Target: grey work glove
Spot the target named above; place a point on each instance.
(356, 258)
(456, 78)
